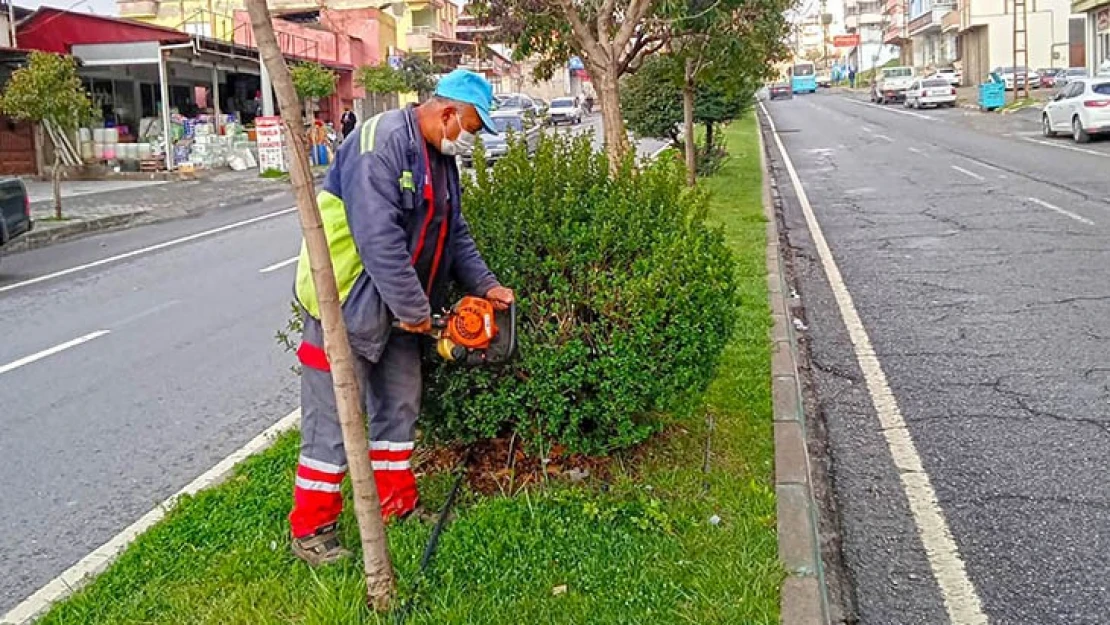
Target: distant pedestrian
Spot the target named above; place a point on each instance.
(348, 121)
(852, 77)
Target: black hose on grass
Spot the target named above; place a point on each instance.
(402, 615)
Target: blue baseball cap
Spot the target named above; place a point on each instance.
(469, 88)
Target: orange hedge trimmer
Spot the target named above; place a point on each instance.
(473, 333)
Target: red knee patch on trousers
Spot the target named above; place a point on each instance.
(318, 500)
(313, 356)
(394, 477)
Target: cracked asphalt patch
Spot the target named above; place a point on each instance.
(991, 317)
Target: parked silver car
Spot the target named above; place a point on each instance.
(508, 123)
(935, 91)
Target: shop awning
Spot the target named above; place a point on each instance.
(117, 54)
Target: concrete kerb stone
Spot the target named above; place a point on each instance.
(43, 236)
(804, 594)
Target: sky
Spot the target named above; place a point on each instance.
(100, 7)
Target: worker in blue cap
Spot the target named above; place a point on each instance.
(390, 207)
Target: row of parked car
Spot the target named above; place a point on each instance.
(524, 116)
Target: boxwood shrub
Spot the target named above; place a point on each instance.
(626, 299)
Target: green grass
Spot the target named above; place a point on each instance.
(1017, 105)
(641, 551)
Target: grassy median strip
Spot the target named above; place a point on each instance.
(677, 535)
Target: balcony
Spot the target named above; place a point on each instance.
(929, 21)
(895, 33)
(419, 39)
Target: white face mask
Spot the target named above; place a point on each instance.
(460, 144)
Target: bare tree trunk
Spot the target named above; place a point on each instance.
(375, 549)
(688, 123)
(612, 120)
(708, 136)
(57, 178)
(40, 150)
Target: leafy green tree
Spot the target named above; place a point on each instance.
(729, 41)
(48, 90)
(612, 37)
(652, 99)
(418, 75)
(312, 81)
(379, 81)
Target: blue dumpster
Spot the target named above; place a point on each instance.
(992, 94)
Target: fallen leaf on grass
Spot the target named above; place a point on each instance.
(561, 589)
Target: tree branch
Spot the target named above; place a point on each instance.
(605, 21)
(635, 55)
(581, 31)
(637, 9)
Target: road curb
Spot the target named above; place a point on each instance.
(805, 596)
(74, 229)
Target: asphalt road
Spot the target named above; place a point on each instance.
(979, 263)
(178, 368)
(123, 381)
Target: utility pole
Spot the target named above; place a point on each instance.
(1021, 51)
(826, 19)
(11, 22)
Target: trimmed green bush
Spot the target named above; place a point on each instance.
(626, 299)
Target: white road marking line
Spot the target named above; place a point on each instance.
(1065, 147)
(146, 250)
(148, 312)
(891, 110)
(916, 150)
(960, 598)
(1062, 211)
(985, 165)
(276, 266)
(26, 360)
(96, 562)
(967, 172)
(884, 138)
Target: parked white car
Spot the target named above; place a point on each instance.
(934, 91)
(892, 84)
(1081, 109)
(1020, 74)
(564, 110)
(951, 74)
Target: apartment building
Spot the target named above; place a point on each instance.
(932, 28)
(986, 38)
(868, 19)
(1096, 27)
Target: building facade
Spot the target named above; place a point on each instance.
(986, 35)
(1096, 35)
(869, 20)
(932, 45)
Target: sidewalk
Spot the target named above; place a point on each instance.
(94, 206)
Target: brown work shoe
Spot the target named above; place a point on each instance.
(321, 547)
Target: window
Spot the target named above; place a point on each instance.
(202, 29)
(1101, 88)
(1074, 89)
(936, 83)
(508, 123)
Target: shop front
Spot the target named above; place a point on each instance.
(1098, 33)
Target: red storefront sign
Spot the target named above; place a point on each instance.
(846, 41)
